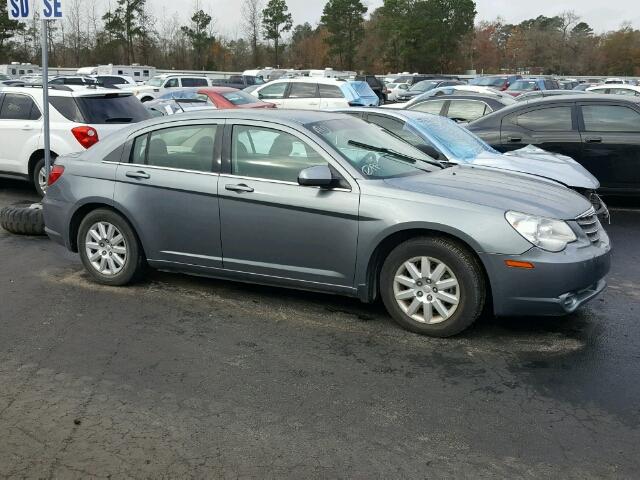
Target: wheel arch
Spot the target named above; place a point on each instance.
(371, 288)
(35, 157)
(81, 212)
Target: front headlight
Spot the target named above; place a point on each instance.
(546, 233)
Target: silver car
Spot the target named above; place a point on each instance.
(327, 202)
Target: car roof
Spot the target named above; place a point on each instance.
(627, 86)
(67, 92)
(282, 116)
(215, 89)
(325, 80)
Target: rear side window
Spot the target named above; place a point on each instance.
(187, 148)
(434, 107)
(330, 91)
(303, 90)
(610, 118)
(554, 119)
(68, 108)
(112, 108)
(194, 82)
(18, 107)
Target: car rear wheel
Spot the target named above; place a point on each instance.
(432, 286)
(109, 248)
(39, 176)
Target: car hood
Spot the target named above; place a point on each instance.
(541, 163)
(500, 190)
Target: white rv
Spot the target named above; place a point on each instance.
(140, 73)
(17, 69)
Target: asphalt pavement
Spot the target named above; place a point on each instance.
(184, 377)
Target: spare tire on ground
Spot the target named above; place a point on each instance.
(23, 218)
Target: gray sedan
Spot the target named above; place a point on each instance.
(326, 202)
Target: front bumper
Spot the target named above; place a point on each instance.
(558, 285)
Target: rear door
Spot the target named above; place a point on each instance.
(331, 96)
(611, 143)
(302, 95)
(552, 127)
(168, 187)
(20, 132)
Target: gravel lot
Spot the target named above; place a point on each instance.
(183, 377)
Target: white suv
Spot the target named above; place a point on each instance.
(78, 119)
(160, 84)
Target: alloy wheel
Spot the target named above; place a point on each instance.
(426, 290)
(106, 248)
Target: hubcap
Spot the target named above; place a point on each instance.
(42, 179)
(106, 248)
(426, 290)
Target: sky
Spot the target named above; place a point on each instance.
(602, 16)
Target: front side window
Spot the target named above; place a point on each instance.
(239, 97)
(188, 148)
(397, 128)
(18, 107)
(274, 91)
(610, 118)
(270, 154)
(373, 152)
(171, 83)
(303, 90)
(553, 119)
(526, 85)
(467, 110)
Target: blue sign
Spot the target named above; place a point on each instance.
(20, 9)
(52, 9)
(23, 9)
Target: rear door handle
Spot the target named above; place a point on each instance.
(514, 139)
(593, 139)
(139, 174)
(241, 188)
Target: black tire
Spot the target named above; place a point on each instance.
(23, 218)
(135, 262)
(34, 174)
(461, 262)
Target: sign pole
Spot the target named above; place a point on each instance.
(44, 40)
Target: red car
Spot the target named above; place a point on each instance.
(226, 97)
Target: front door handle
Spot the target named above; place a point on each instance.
(27, 127)
(241, 188)
(593, 139)
(514, 139)
(139, 174)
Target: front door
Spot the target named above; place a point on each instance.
(170, 188)
(273, 227)
(611, 144)
(552, 128)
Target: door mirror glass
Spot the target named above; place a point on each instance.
(317, 176)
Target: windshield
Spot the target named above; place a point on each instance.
(239, 98)
(463, 145)
(351, 136)
(524, 85)
(488, 81)
(424, 85)
(155, 82)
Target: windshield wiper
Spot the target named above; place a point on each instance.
(388, 151)
(118, 120)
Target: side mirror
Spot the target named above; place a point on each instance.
(318, 176)
(429, 150)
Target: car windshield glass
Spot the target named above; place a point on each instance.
(463, 145)
(112, 108)
(239, 98)
(424, 86)
(155, 82)
(523, 85)
(488, 81)
(371, 150)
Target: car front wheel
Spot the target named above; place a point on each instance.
(109, 248)
(432, 286)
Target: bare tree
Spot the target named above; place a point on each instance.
(75, 21)
(251, 23)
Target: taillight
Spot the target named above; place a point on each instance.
(54, 174)
(86, 136)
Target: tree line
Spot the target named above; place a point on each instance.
(427, 36)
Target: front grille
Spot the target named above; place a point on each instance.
(590, 225)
